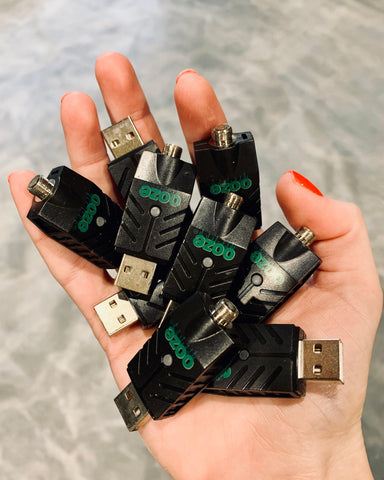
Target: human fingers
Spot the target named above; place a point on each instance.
(124, 96)
(197, 106)
(85, 145)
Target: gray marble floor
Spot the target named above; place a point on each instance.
(305, 77)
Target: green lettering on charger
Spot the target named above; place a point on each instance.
(231, 185)
(89, 212)
(181, 351)
(226, 374)
(218, 249)
(267, 266)
(162, 196)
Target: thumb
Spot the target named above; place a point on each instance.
(342, 239)
(304, 205)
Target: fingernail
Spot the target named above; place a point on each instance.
(304, 182)
(65, 95)
(188, 70)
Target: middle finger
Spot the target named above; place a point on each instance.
(124, 96)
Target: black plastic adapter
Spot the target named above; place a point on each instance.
(277, 361)
(150, 311)
(212, 250)
(155, 218)
(123, 169)
(73, 211)
(266, 366)
(188, 350)
(227, 162)
(126, 146)
(277, 264)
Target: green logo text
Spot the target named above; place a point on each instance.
(268, 267)
(218, 249)
(179, 348)
(89, 213)
(231, 185)
(161, 196)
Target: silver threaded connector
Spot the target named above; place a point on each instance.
(305, 235)
(40, 187)
(222, 135)
(224, 312)
(172, 150)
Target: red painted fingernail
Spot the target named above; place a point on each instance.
(188, 70)
(304, 182)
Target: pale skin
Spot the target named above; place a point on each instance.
(214, 437)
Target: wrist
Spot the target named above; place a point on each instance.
(347, 458)
(341, 456)
(306, 455)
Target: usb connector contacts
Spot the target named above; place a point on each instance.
(135, 274)
(131, 408)
(320, 360)
(122, 137)
(126, 307)
(116, 312)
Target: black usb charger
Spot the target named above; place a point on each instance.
(276, 362)
(188, 350)
(126, 146)
(155, 217)
(277, 264)
(212, 250)
(73, 211)
(227, 162)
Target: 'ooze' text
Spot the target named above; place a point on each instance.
(213, 246)
(161, 196)
(179, 348)
(231, 185)
(89, 213)
(268, 267)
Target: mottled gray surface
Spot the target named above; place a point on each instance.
(305, 77)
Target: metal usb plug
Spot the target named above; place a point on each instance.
(131, 408)
(320, 360)
(135, 274)
(116, 312)
(122, 137)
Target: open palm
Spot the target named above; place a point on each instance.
(318, 436)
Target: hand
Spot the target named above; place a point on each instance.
(316, 437)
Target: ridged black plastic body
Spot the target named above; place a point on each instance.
(231, 169)
(276, 265)
(157, 209)
(184, 354)
(225, 231)
(122, 169)
(150, 311)
(79, 216)
(266, 366)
